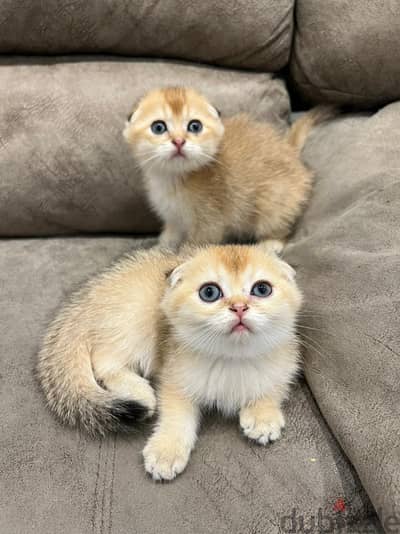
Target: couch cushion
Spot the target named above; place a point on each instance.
(347, 249)
(64, 166)
(253, 35)
(347, 52)
(57, 480)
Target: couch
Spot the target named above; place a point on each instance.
(71, 202)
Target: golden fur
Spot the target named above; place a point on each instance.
(144, 318)
(237, 178)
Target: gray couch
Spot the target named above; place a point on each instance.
(71, 202)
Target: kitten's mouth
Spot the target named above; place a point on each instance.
(240, 328)
(178, 154)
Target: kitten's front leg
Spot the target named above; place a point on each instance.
(206, 233)
(171, 237)
(167, 452)
(262, 420)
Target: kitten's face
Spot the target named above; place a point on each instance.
(233, 301)
(174, 130)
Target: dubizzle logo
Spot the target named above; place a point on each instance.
(318, 523)
(337, 521)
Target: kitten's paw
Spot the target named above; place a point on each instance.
(262, 426)
(165, 457)
(130, 387)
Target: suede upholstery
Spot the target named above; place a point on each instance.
(56, 480)
(65, 165)
(347, 249)
(241, 34)
(346, 52)
(68, 181)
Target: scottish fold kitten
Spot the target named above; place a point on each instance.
(215, 326)
(211, 179)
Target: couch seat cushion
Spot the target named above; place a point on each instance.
(57, 480)
(347, 249)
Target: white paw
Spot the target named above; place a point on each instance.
(263, 428)
(164, 457)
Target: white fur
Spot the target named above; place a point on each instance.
(214, 338)
(168, 198)
(229, 384)
(167, 452)
(228, 369)
(265, 430)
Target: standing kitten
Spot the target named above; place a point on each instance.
(217, 332)
(209, 179)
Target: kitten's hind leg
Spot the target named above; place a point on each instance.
(133, 394)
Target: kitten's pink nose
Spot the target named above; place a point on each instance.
(239, 309)
(178, 142)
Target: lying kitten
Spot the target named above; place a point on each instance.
(217, 332)
(211, 179)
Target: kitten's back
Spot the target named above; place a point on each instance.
(255, 188)
(112, 323)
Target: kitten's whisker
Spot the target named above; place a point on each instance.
(309, 346)
(310, 339)
(148, 160)
(311, 328)
(310, 314)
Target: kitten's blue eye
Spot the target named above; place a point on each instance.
(261, 289)
(210, 292)
(158, 127)
(194, 126)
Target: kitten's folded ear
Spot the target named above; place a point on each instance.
(290, 273)
(131, 116)
(175, 276)
(186, 252)
(216, 112)
(129, 119)
(275, 247)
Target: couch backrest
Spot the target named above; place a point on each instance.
(64, 165)
(250, 34)
(347, 51)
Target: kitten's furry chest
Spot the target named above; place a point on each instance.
(229, 384)
(169, 199)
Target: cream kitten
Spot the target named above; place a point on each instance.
(215, 327)
(210, 179)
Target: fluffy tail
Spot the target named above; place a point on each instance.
(301, 128)
(65, 373)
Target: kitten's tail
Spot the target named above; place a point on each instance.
(65, 374)
(300, 129)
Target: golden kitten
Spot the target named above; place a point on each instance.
(215, 327)
(210, 179)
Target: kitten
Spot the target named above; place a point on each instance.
(211, 179)
(215, 327)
